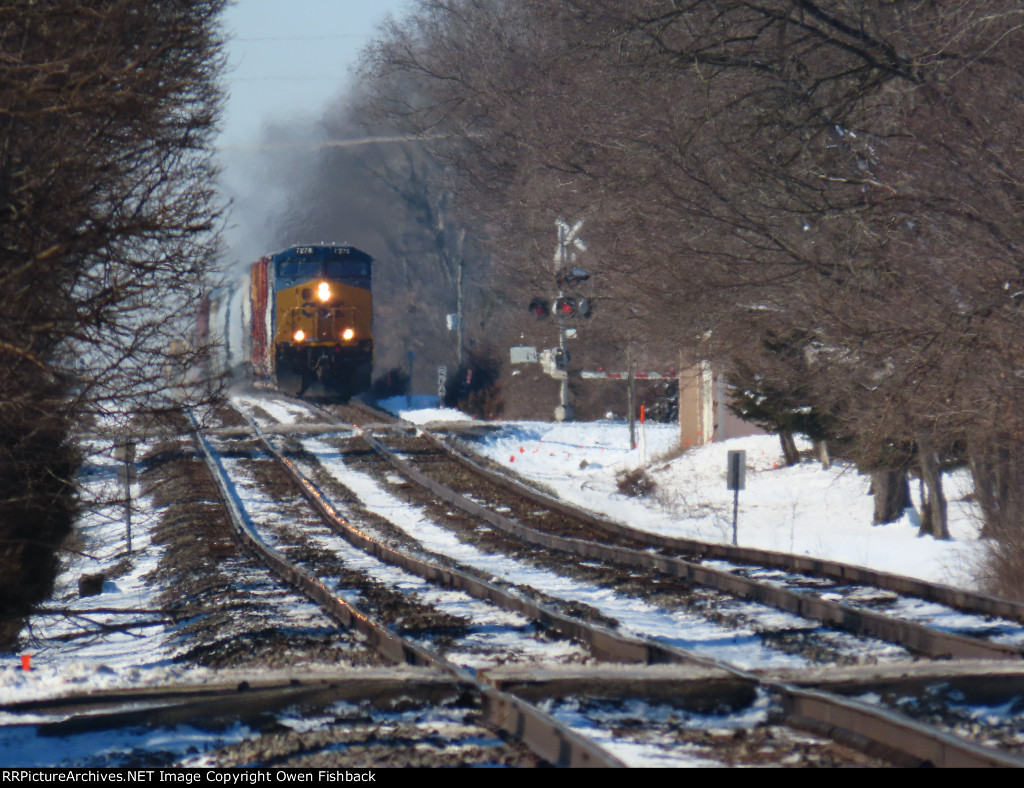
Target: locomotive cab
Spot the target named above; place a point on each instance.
(321, 319)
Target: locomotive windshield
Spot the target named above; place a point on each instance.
(339, 269)
(330, 262)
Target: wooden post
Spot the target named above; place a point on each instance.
(631, 405)
(124, 450)
(460, 330)
(643, 437)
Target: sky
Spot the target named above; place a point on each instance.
(286, 62)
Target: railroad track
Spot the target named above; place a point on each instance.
(810, 708)
(550, 740)
(779, 584)
(610, 671)
(918, 615)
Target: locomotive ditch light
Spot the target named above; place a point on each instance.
(299, 335)
(323, 291)
(539, 308)
(347, 334)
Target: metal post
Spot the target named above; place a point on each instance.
(643, 438)
(567, 237)
(735, 517)
(735, 478)
(564, 410)
(408, 396)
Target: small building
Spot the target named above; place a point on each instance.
(704, 416)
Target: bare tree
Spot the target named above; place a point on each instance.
(107, 235)
(840, 172)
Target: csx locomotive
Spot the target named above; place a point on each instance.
(302, 319)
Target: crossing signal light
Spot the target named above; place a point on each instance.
(567, 306)
(539, 308)
(564, 306)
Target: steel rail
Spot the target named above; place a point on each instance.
(886, 732)
(605, 643)
(916, 637)
(182, 704)
(818, 711)
(873, 730)
(967, 601)
(957, 598)
(548, 738)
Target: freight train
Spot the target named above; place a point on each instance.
(301, 320)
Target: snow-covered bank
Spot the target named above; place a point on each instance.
(800, 509)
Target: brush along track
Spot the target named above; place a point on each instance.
(822, 712)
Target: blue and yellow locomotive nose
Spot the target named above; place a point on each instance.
(321, 312)
(322, 317)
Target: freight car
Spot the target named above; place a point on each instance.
(301, 320)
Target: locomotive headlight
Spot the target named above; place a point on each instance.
(323, 292)
(299, 335)
(347, 334)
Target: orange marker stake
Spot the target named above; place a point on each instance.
(26, 661)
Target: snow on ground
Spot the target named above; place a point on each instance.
(606, 727)
(675, 627)
(497, 634)
(118, 658)
(801, 509)
(421, 409)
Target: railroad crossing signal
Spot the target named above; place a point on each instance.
(564, 306)
(568, 236)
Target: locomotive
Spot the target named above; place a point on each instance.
(302, 320)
